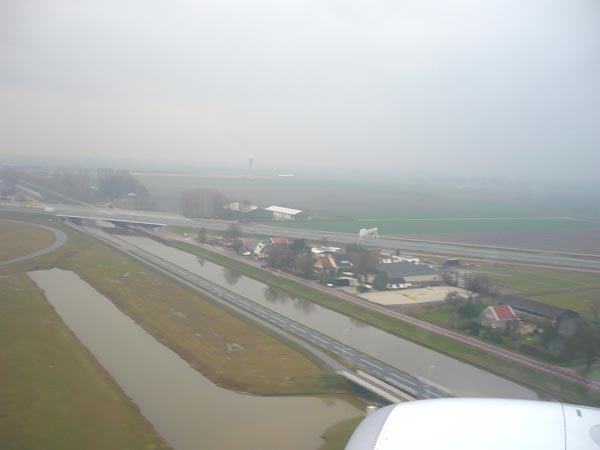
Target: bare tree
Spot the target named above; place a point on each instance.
(304, 265)
(454, 299)
(233, 232)
(280, 255)
(202, 202)
(364, 262)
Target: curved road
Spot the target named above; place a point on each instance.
(60, 239)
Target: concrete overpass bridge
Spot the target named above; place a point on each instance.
(118, 221)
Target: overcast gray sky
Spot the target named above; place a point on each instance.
(498, 86)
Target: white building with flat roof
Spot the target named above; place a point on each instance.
(281, 213)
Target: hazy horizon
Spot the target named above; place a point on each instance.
(506, 89)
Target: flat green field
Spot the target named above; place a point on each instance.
(365, 196)
(29, 239)
(538, 281)
(442, 225)
(580, 303)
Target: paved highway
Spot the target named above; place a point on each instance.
(591, 262)
(416, 387)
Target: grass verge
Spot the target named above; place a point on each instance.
(337, 436)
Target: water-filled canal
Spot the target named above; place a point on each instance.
(463, 379)
(187, 409)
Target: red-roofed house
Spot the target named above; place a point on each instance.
(498, 316)
(279, 240)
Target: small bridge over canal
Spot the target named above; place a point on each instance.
(393, 391)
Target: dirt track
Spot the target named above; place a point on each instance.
(61, 238)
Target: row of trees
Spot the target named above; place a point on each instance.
(295, 256)
(113, 184)
(364, 260)
(202, 202)
(9, 175)
(10, 178)
(85, 186)
(478, 283)
(571, 339)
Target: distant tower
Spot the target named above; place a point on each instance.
(250, 162)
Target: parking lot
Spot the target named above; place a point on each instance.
(408, 296)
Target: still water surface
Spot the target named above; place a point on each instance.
(462, 379)
(187, 409)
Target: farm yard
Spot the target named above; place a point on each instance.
(577, 291)
(415, 296)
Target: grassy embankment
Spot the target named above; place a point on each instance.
(39, 410)
(337, 436)
(537, 380)
(54, 395)
(29, 239)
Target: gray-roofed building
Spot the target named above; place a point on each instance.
(342, 259)
(537, 312)
(250, 245)
(404, 274)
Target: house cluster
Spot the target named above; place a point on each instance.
(337, 265)
(245, 212)
(258, 247)
(510, 310)
(332, 260)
